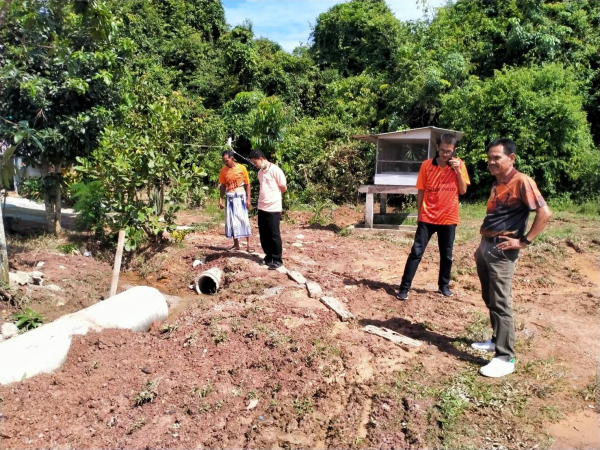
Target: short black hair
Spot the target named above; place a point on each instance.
(508, 146)
(447, 138)
(228, 153)
(256, 154)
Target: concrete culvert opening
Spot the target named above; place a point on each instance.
(209, 282)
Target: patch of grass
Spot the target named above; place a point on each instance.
(552, 413)
(168, 328)
(202, 391)
(139, 423)
(252, 394)
(472, 211)
(147, 394)
(302, 406)
(345, 232)
(251, 286)
(218, 335)
(67, 249)
(564, 204)
(592, 390)
(479, 328)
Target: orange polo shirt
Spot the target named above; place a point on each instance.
(440, 202)
(234, 178)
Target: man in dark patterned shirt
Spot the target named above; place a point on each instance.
(503, 235)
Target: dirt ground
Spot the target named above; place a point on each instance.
(262, 365)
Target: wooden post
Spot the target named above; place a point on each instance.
(117, 267)
(382, 203)
(369, 211)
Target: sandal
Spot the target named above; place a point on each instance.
(251, 250)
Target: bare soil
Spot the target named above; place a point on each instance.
(320, 383)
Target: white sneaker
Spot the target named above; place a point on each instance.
(487, 346)
(498, 367)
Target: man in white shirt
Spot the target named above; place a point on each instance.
(272, 185)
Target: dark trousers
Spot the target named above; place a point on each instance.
(495, 269)
(446, 234)
(270, 236)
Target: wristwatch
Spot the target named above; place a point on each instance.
(525, 240)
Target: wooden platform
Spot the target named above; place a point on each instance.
(383, 191)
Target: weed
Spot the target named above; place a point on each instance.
(204, 407)
(148, 393)
(218, 335)
(139, 423)
(591, 390)
(252, 394)
(552, 413)
(67, 248)
(302, 406)
(202, 391)
(345, 232)
(479, 329)
(91, 367)
(322, 209)
(168, 328)
(28, 319)
(179, 235)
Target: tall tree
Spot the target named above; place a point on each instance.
(57, 75)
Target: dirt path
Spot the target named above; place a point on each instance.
(321, 383)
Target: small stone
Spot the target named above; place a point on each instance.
(76, 252)
(60, 304)
(281, 269)
(300, 236)
(37, 278)
(297, 277)
(314, 290)
(9, 330)
(19, 277)
(252, 404)
(196, 263)
(297, 244)
(53, 287)
(40, 264)
(385, 406)
(87, 254)
(62, 267)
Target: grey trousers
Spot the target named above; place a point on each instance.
(496, 269)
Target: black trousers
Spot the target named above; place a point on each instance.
(446, 235)
(270, 237)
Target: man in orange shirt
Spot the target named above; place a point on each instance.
(439, 183)
(235, 188)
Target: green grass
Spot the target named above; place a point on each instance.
(472, 211)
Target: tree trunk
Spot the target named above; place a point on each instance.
(3, 255)
(52, 199)
(57, 199)
(4, 11)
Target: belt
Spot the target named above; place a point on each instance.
(495, 239)
(235, 194)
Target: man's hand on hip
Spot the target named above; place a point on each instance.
(510, 244)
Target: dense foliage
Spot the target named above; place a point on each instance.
(152, 89)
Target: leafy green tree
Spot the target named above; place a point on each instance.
(59, 67)
(541, 109)
(357, 35)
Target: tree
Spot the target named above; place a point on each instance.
(355, 36)
(60, 66)
(541, 109)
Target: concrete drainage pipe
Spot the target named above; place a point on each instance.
(209, 281)
(45, 349)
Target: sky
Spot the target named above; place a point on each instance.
(288, 22)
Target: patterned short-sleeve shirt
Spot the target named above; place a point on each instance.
(509, 205)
